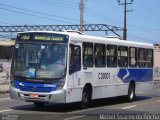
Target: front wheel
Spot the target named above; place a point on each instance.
(86, 100)
(131, 93)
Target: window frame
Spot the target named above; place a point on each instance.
(91, 56)
(144, 58)
(103, 47)
(119, 56)
(148, 58)
(73, 68)
(136, 57)
(109, 56)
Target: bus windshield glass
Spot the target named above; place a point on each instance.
(39, 59)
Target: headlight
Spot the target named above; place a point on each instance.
(61, 83)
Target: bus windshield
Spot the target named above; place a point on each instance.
(38, 60)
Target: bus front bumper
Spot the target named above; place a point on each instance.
(58, 96)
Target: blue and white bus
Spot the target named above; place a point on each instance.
(66, 67)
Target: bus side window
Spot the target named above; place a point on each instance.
(141, 57)
(133, 57)
(75, 58)
(100, 55)
(123, 56)
(149, 58)
(87, 54)
(111, 56)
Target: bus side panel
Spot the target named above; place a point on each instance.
(143, 86)
(110, 91)
(73, 95)
(122, 89)
(103, 91)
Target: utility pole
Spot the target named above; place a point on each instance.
(125, 17)
(81, 15)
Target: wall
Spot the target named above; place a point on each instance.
(157, 62)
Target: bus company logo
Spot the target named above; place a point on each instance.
(49, 85)
(21, 84)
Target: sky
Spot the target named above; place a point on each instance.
(143, 23)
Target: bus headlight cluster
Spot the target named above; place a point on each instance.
(61, 83)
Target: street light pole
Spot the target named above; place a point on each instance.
(125, 17)
(81, 15)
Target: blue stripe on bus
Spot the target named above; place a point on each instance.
(138, 75)
(34, 87)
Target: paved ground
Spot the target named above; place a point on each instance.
(147, 105)
(4, 89)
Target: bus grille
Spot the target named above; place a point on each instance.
(35, 89)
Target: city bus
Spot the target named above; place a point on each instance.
(66, 67)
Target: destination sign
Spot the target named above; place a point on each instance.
(25, 37)
(42, 37)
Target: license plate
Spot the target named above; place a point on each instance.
(33, 95)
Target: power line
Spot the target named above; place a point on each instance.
(64, 1)
(69, 1)
(7, 23)
(140, 38)
(33, 15)
(57, 4)
(38, 12)
(146, 17)
(125, 17)
(99, 14)
(138, 28)
(149, 8)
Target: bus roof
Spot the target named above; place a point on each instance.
(104, 40)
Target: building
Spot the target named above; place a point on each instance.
(6, 49)
(157, 62)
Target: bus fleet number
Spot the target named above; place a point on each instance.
(103, 75)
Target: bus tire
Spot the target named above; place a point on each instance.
(1, 68)
(86, 99)
(39, 104)
(131, 93)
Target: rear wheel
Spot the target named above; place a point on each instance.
(131, 93)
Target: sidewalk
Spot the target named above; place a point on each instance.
(4, 86)
(4, 89)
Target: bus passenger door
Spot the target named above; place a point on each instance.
(75, 65)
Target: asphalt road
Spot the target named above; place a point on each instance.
(146, 106)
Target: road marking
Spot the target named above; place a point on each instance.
(128, 107)
(4, 99)
(158, 100)
(6, 110)
(140, 92)
(75, 117)
(158, 90)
